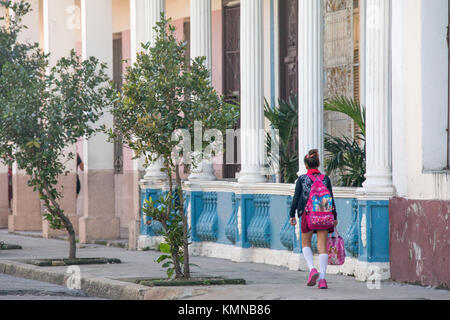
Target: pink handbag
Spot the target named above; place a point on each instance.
(336, 250)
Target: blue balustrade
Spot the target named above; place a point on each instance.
(231, 230)
(262, 221)
(258, 232)
(206, 226)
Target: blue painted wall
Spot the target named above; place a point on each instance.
(265, 222)
(224, 210)
(377, 231)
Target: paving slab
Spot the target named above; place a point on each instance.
(264, 282)
(14, 288)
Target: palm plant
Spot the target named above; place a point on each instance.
(345, 155)
(285, 120)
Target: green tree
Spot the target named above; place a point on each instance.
(347, 155)
(284, 118)
(45, 110)
(162, 93)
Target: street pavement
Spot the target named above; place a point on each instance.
(264, 282)
(14, 288)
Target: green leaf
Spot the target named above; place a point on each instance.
(170, 272)
(164, 247)
(162, 258)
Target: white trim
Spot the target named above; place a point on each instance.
(281, 189)
(362, 271)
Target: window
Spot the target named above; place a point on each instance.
(118, 80)
(231, 78)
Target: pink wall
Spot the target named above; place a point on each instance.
(419, 241)
(217, 45)
(179, 28)
(126, 55)
(126, 50)
(217, 50)
(217, 68)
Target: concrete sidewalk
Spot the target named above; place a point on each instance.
(264, 282)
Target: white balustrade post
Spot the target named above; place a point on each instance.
(252, 99)
(311, 79)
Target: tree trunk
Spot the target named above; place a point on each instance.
(174, 254)
(176, 262)
(187, 273)
(66, 221)
(72, 240)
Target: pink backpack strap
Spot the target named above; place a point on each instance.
(319, 178)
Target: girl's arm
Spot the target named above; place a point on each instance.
(298, 192)
(332, 197)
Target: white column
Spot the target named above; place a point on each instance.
(59, 40)
(5, 15)
(378, 98)
(59, 32)
(99, 220)
(201, 30)
(252, 100)
(201, 47)
(32, 21)
(311, 79)
(362, 52)
(25, 203)
(96, 20)
(144, 14)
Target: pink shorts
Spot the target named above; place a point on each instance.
(304, 226)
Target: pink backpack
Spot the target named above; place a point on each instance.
(336, 250)
(319, 208)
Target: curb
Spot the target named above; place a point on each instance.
(100, 287)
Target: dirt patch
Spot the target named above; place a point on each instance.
(70, 262)
(197, 281)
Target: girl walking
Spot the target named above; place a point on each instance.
(303, 205)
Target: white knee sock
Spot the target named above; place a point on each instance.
(307, 253)
(323, 263)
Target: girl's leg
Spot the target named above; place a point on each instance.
(306, 249)
(323, 254)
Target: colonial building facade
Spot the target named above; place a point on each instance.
(392, 56)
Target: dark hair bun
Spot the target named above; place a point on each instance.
(314, 153)
(312, 159)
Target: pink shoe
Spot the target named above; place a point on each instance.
(323, 284)
(313, 275)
